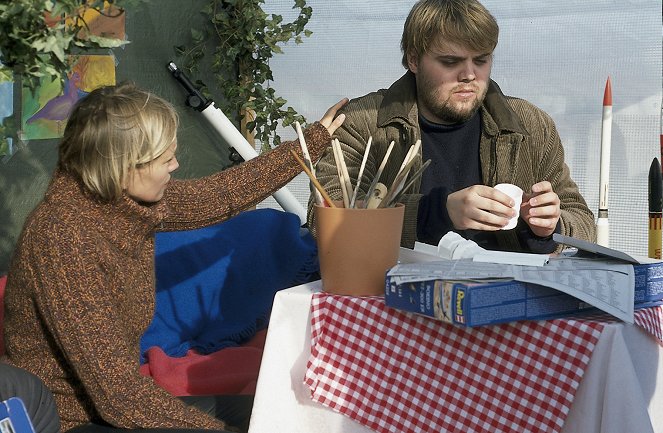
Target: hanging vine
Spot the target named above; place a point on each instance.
(245, 38)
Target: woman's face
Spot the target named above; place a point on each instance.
(147, 183)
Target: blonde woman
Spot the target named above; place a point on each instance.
(80, 290)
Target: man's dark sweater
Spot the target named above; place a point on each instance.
(454, 154)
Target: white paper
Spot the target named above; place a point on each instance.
(601, 250)
(509, 258)
(453, 246)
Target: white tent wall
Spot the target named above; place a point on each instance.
(555, 53)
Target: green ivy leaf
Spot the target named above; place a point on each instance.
(52, 44)
(197, 35)
(6, 74)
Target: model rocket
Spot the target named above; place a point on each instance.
(602, 224)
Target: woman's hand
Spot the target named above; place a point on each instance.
(330, 120)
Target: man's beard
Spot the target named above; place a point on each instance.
(444, 111)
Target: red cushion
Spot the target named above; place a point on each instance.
(233, 370)
(3, 282)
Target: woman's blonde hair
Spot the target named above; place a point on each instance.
(112, 130)
(433, 22)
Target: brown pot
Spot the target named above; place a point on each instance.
(356, 247)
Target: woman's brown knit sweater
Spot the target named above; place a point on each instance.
(80, 291)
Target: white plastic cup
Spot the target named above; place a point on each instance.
(516, 194)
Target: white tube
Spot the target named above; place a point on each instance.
(606, 140)
(603, 232)
(227, 130)
(603, 224)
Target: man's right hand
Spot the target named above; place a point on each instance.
(480, 207)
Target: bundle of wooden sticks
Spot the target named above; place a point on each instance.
(377, 194)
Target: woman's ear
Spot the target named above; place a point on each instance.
(124, 184)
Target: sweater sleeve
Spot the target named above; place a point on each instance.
(212, 199)
(80, 308)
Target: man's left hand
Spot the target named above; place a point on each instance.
(540, 209)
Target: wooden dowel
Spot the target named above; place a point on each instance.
(317, 185)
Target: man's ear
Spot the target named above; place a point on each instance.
(412, 62)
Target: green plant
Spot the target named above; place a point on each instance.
(37, 35)
(245, 39)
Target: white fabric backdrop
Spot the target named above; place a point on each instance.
(554, 53)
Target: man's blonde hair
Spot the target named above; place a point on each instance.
(112, 130)
(433, 22)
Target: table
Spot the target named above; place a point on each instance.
(617, 392)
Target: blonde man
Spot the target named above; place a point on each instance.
(474, 135)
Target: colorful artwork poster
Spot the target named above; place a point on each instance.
(45, 112)
(108, 22)
(6, 112)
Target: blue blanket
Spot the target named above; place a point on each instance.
(215, 286)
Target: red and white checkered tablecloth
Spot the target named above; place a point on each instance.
(398, 372)
(651, 319)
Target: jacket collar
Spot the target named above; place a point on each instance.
(495, 104)
(400, 105)
(400, 102)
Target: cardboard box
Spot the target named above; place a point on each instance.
(488, 302)
(648, 282)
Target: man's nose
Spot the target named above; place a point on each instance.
(467, 73)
